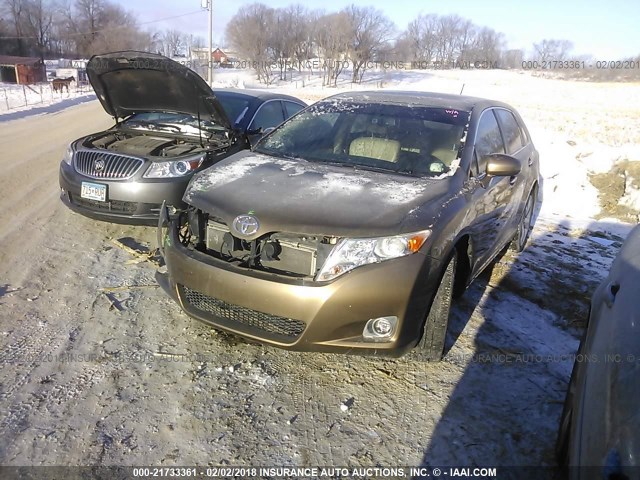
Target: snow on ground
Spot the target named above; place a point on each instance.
(83, 383)
(20, 98)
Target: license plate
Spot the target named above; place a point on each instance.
(94, 191)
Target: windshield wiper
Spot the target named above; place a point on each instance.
(272, 153)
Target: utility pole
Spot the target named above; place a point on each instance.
(208, 4)
(210, 63)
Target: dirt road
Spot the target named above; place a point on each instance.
(83, 383)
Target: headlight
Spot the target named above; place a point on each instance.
(68, 155)
(350, 253)
(175, 168)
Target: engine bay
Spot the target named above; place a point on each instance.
(142, 145)
(287, 254)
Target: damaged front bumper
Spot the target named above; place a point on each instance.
(298, 314)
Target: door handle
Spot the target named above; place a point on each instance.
(512, 180)
(530, 162)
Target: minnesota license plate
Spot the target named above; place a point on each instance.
(94, 191)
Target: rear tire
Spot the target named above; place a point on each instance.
(431, 345)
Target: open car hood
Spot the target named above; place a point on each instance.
(134, 82)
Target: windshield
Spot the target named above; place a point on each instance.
(172, 122)
(413, 140)
(234, 106)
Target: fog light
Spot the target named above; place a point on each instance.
(381, 328)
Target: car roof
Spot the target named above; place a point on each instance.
(260, 94)
(417, 98)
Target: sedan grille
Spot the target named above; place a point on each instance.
(271, 324)
(98, 164)
(110, 206)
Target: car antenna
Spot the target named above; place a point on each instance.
(462, 88)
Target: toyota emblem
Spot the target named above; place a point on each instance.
(99, 165)
(246, 225)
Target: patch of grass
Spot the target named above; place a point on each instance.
(612, 186)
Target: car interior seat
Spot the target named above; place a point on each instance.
(375, 147)
(445, 146)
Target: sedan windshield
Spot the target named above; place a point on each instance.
(413, 140)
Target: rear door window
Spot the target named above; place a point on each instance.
(292, 108)
(510, 130)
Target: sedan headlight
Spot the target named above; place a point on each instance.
(350, 253)
(68, 155)
(175, 168)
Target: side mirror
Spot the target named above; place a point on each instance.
(254, 131)
(501, 165)
(260, 131)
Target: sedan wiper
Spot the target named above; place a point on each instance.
(359, 166)
(271, 153)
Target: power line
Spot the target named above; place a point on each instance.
(106, 29)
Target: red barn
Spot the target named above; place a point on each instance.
(22, 70)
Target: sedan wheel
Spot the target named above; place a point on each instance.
(525, 226)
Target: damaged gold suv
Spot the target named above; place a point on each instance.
(350, 227)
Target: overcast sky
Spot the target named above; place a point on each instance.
(608, 30)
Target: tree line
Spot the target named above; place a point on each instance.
(362, 36)
(270, 39)
(79, 29)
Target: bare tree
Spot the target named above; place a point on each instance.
(333, 39)
(301, 32)
(173, 42)
(282, 39)
(39, 21)
(552, 50)
(370, 31)
(250, 33)
(450, 41)
(513, 58)
(421, 37)
(467, 33)
(489, 45)
(448, 33)
(15, 10)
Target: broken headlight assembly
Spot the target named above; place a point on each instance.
(350, 253)
(174, 168)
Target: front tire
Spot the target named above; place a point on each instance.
(525, 226)
(431, 345)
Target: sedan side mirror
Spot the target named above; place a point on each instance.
(254, 131)
(501, 165)
(260, 131)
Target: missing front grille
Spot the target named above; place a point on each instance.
(273, 324)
